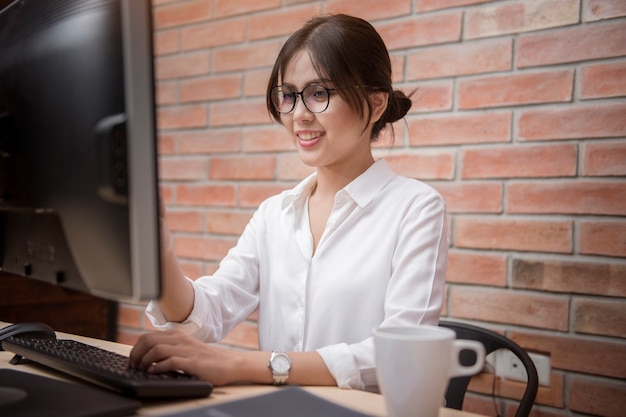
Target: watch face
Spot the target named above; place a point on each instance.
(280, 363)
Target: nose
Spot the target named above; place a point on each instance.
(300, 111)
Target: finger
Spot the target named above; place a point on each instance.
(163, 352)
(145, 343)
(172, 363)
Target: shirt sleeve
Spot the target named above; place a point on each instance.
(222, 300)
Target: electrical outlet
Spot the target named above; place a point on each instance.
(508, 366)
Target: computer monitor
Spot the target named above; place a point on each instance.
(78, 164)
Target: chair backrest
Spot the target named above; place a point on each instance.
(492, 342)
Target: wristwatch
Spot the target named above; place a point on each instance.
(280, 364)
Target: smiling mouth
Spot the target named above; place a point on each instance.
(308, 136)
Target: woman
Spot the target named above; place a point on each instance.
(350, 248)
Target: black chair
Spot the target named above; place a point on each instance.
(492, 342)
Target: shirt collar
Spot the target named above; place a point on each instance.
(362, 189)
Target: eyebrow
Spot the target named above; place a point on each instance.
(322, 81)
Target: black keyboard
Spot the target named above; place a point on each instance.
(106, 368)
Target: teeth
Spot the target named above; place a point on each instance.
(308, 136)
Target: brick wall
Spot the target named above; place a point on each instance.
(519, 120)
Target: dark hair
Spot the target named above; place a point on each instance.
(350, 52)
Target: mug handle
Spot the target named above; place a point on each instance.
(456, 368)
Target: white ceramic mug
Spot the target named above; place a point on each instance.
(414, 365)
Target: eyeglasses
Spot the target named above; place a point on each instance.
(314, 96)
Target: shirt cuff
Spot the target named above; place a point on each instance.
(342, 365)
(158, 320)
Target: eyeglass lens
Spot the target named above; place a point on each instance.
(315, 98)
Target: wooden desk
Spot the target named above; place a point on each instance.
(362, 401)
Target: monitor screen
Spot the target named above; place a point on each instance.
(78, 164)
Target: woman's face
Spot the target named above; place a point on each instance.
(336, 138)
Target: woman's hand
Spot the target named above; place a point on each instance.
(173, 350)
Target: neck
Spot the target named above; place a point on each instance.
(330, 180)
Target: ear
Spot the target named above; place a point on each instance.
(378, 101)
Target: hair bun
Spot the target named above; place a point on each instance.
(398, 106)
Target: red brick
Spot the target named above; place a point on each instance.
(567, 197)
(597, 397)
(432, 96)
(476, 268)
(181, 117)
(604, 159)
(206, 195)
(166, 92)
(511, 234)
(209, 141)
(252, 195)
(183, 65)
(602, 238)
(603, 80)
(601, 317)
(243, 168)
(229, 7)
(487, 383)
(202, 248)
(460, 59)
(194, 268)
(471, 197)
(166, 144)
(129, 315)
(391, 136)
(603, 9)
(510, 307)
(238, 113)
(280, 21)
(214, 33)
(166, 42)
(421, 30)
(185, 220)
(427, 5)
(573, 122)
(519, 161)
(246, 56)
(606, 279)
(397, 68)
(582, 43)
(192, 168)
(369, 9)
(520, 16)
(166, 192)
(592, 355)
(272, 138)
(227, 222)
(517, 89)
(210, 88)
(182, 13)
(255, 82)
(460, 128)
(425, 165)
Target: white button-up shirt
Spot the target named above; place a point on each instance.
(380, 261)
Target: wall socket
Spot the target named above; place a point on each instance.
(508, 366)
